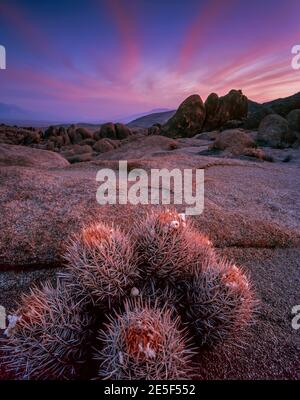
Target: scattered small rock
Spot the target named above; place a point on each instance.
(274, 131)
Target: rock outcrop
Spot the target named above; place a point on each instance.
(22, 136)
(84, 133)
(28, 157)
(193, 117)
(232, 124)
(104, 145)
(107, 130)
(76, 144)
(77, 135)
(61, 136)
(293, 119)
(274, 131)
(113, 131)
(188, 119)
(220, 110)
(234, 141)
(78, 153)
(154, 130)
(256, 113)
(122, 131)
(77, 158)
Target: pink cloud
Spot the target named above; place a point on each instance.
(197, 32)
(129, 60)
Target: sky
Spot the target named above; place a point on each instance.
(104, 59)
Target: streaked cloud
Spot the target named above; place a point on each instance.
(118, 71)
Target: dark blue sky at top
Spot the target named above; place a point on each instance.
(101, 59)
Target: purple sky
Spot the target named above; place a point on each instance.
(102, 59)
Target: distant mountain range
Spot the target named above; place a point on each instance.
(130, 118)
(284, 105)
(11, 112)
(154, 118)
(14, 115)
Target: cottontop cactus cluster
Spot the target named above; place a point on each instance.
(131, 304)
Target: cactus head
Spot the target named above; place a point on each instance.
(167, 245)
(102, 266)
(50, 338)
(217, 303)
(143, 343)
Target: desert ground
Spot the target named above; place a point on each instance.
(251, 214)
